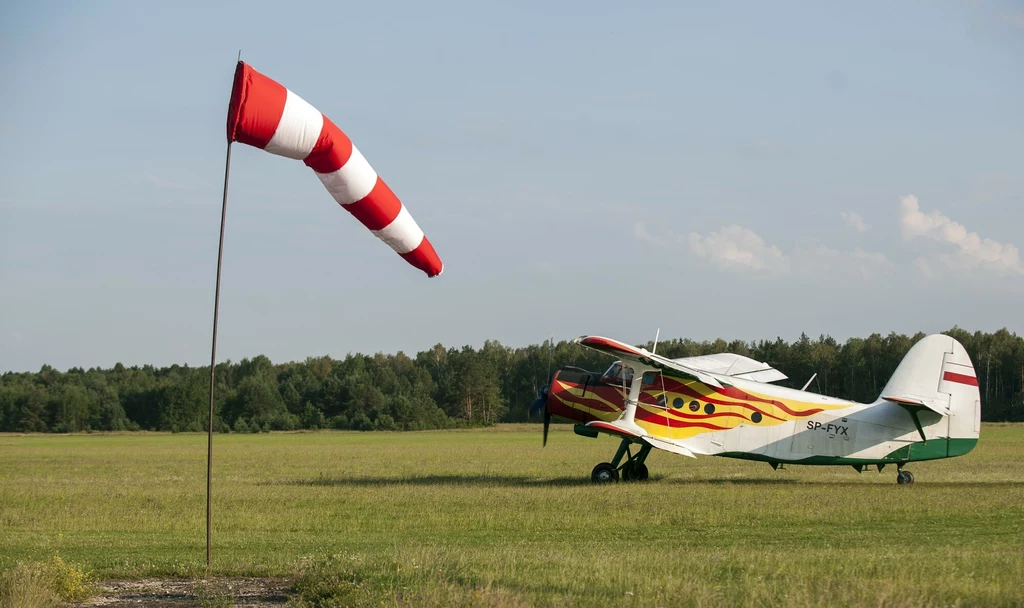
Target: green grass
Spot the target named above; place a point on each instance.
(490, 518)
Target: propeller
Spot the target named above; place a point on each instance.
(542, 402)
(542, 399)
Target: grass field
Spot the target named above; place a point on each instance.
(488, 517)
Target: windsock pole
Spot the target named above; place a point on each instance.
(213, 359)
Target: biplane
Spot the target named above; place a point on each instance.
(727, 405)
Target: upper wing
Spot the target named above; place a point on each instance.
(642, 355)
(735, 366)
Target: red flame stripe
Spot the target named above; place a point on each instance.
(690, 392)
(735, 393)
(661, 420)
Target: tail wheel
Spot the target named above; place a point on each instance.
(604, 473)
(634, 471)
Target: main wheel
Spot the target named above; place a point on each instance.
(634, 471)
(909, 476)
(604, 473)
(904, 478)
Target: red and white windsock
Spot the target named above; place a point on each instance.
(264, 114)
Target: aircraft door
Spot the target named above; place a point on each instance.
(657, 400)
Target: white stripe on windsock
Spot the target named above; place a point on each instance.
(352, 182)
(298, 130)
(403, 234)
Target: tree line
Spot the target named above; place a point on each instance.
(441, 387)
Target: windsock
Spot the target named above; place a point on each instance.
(264, 114)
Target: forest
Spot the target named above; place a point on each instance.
(441, 387)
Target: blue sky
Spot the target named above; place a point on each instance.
(743, 171)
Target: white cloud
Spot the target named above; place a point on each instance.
(737, 248)
(971, 249)
(824, 262)
(854, 221)
(640, 232)
(924, 267)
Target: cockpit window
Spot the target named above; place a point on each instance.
(618, 374)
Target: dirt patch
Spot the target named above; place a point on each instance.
(211, 593)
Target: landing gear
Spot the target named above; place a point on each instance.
(633, 469)
(604, 473)
(904, 478)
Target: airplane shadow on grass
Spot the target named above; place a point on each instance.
(522, 481)
(441, 480)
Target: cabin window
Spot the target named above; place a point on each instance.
(709, 408)
(756, 417)
(618, 374)
(694, 406)
(677, 403)
(662, 400)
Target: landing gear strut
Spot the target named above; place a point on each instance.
(633, 469)
(904, 477)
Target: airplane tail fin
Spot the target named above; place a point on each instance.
(937, 375)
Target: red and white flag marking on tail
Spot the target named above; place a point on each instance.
(959, 373)
(264, 114)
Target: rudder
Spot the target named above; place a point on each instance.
(937, 375)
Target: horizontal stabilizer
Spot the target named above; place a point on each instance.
(934, 405)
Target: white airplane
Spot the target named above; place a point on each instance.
(725, 405)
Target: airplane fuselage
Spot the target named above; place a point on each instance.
(759, 421)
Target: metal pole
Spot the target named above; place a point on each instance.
(213, 358)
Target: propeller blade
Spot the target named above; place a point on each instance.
(537, 406)
(547, 422)
(540, 401)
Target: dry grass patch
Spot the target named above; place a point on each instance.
(44, 584)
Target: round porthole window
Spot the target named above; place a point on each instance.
(662, 400)
(677, 403)
(709, 408)
(694, 406)
(756, 417)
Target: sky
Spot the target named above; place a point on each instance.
(745, 171)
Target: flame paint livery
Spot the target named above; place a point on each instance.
(724, 405)
(667, 412)
(264, 114)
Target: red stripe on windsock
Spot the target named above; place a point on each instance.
(378, 208)
(425, 258)
(256, 107)
(331, 151)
